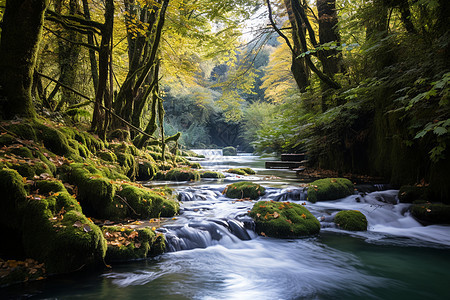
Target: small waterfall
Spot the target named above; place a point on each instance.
(205, 233)
(209, 152)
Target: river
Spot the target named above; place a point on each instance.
(397, 258)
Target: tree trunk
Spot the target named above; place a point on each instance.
(328, 32)
(90, 37)
(98, 117)
(298, 67)
(20, 37)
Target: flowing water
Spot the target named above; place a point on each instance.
(214, 253)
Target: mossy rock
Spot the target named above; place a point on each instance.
(125, 244)
(13, 194)
(49, 186)
(410, 193)
(229, 151)
(54, 140)
(107, 155)
(182, 174)
(147, 169)
(330, 189)
(65, 242)
(96, 193)
(211, 174)
(23, 130)
(129, 164)
(195, 165)
(431, 213)
(352, 220)
(147, 203)
(244, 189)
(283, 219)
(242, 171)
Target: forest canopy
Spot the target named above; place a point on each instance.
(361, 86)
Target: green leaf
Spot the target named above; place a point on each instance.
(440, 131)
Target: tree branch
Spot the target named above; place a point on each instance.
(103, 107)
(269, 7)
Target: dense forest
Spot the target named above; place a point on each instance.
(118, 90)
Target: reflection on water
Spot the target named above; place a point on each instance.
(396, 258)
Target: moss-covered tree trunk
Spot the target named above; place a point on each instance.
(98, 117)
(21, 33)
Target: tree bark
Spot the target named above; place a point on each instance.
(328, 32)
(20, 37)
(90, 37)
(98, 117)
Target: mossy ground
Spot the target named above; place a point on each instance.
(330, 189)
(53, 177)
(283, 219)
(244, 189)
(352, 220)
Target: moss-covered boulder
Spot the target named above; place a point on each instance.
(411, 193)
(244, 189)
(283, 219)
(96, 193)
(352, 220)
(229, 151)
(211, 174)
(145, 203)
(179, 174)
(330, 189)
(147, 169)
(125, 244)
(431, 213)
(65, 241)
(241, 171)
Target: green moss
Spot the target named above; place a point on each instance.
(23, 152)
(96, 193)
(6, 139)
(23, 130)
(149, 203)
(128, 163)
(211, 174)
(182, 174)
(147, 169)
(352, 220)
(65, 242)
(229, 151)
(330, 189)
(409, 193)
(126, 244)
(237, 171)
(283, 219)
(54, 140)
(431, 213)
(244, 189)
(242, 171)
(195, 165)
(120, 135)
(13, 193)
(107, 155)
(49, 186)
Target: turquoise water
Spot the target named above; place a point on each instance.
(396, 259)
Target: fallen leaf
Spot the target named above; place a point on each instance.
(87, 228)
(77, 224)
(276, 215)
